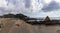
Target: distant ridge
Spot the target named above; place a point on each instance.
(20, 16)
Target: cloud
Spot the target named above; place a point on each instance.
(3, 3)
(27, 3)
(20, 6)
(51, 7)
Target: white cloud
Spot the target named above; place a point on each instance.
(57, 1)
(3, 3)
(47, 1)
(11, 6)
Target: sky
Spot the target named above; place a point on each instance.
(31, 8)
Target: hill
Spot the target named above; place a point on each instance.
(11, 25)
(18, 16)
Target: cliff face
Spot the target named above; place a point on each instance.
(11, 25)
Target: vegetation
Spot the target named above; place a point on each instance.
(20, 16)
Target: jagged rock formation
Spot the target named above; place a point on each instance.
(47, 19)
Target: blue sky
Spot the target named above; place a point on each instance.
(41, 8)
